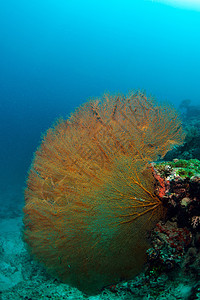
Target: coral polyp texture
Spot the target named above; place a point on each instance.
(90, 201)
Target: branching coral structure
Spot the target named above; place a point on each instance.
(90, 201)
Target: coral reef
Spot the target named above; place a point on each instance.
(90, 199)
(191, 124)
(181, 183)
(176, 242)
(173, 261)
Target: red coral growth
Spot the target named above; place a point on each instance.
(178, 238)
(161, 183)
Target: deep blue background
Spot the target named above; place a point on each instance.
(56, 54)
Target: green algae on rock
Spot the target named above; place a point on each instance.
(179, 168)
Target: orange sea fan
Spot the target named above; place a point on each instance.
(90, 194)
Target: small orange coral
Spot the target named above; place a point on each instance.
(90, 194)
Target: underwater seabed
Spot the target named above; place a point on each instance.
(23, 278)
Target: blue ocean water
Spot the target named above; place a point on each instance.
(54, 55)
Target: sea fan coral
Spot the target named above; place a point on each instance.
(90, 197)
